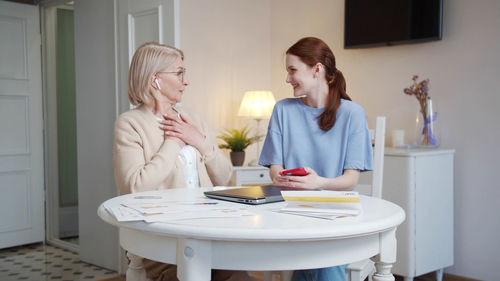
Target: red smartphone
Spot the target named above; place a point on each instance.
(294, 172)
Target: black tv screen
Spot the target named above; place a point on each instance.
(387, 22)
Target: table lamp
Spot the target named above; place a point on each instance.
(257, 105)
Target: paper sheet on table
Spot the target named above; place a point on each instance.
(164, 207)
(122, 213)
(158, 210)
(216, 213)
(314, 215)
(322, 203)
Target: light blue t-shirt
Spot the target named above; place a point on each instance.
(294, 139)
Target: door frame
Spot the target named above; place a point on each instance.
(49, 93)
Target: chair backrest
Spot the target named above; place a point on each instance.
(378, 158)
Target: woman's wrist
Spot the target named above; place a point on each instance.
(324, 183)
(200, 140)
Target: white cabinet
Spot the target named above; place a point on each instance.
(421, 182)
(250, 175)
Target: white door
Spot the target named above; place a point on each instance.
(21, 126)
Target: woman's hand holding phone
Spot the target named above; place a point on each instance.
(302, 178)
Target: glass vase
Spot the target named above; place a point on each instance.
(427, 133)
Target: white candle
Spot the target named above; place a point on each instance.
(398, 138)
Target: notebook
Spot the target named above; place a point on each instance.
(254, 195)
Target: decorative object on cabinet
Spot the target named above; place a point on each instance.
(237, 141)
(426, 134)
(253, 175)
(421, 182)
(398, 138)
(257, 105)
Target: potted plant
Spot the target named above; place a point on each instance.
(237, 140)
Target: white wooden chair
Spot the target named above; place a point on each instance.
(358, 271)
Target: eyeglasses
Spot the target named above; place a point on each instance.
(179, 73)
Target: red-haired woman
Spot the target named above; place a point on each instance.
(320, 129)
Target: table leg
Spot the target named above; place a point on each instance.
(194, 260)
(383, 272)
(135, 270)
(439, 274)
(387, 256)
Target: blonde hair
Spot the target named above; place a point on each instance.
(149, 58)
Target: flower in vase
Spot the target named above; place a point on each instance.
(421, 91)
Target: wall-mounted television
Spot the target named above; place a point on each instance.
(370, 23)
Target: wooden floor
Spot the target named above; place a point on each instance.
(427, 277)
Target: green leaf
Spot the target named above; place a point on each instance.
(237, 139)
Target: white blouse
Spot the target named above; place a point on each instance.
(187, 155)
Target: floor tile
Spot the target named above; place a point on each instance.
(39, 262)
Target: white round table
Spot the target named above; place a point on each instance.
(264, 242)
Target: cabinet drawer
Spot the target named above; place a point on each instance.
(260, 176)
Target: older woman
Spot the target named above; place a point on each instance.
(159, 145)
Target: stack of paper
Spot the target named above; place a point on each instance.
(324, 204)
(164, 211)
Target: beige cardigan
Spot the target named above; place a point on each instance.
(144, 161)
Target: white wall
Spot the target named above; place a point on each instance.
(95, 99)
(226, 46)
(464, 71)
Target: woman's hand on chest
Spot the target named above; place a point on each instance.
(177, 126)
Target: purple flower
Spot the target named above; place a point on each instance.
(408, 91)
(425, 88)
(419, 90)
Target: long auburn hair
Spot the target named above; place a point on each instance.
(310, 51)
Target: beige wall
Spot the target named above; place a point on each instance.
(226, 44)
(464, 70)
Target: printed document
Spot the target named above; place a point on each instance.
(160, 210)
(324, 204)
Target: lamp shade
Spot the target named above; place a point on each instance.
(257, 104)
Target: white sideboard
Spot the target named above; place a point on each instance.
(250, 175)
(421, 182)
